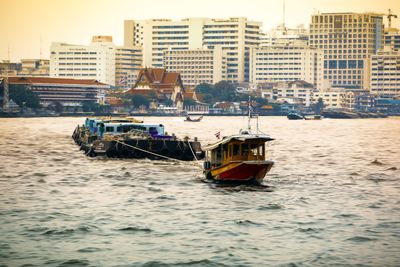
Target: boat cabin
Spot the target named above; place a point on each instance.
(120, 128)
(239, 148)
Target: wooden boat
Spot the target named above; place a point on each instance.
(238, 158)
(194, 120)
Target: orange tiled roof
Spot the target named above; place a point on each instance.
(33, 80)
(159, 78)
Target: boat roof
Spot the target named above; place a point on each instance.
(132, 123)
(239, 137)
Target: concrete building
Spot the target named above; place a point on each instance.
(332, 99)
(286, 62)
(68, 92)
(101, 60)
(235, 35)
(385, 72)
(197, 66)
(347, 40)
(27, 67)
(282, 34)
(128, 62)
(392, 38)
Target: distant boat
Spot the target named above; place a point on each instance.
(294, 115)
(238, 158)
(194, 120)
(313, 117)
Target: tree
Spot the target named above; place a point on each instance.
(204, 88)
(23, 96)
(91, 106)
(168, 102)
(224, 91)
(140, 100)
(319, 106)
(189, 102)
(58, 107)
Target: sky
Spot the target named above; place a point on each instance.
(29, 26)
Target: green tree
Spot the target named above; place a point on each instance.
(168, 102)
(204, 88)
(23, 96)
(319, 106)
(58, 107)
(139, 100)
(91, 106)
(189, 102)
(224, 91)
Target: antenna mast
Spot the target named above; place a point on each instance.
(284, 17)
(249, 116)
(6, 95)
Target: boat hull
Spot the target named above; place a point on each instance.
(240, 171)
(294, 117)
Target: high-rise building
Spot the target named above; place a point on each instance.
(128, 62)
(348, 40)
(197, 66)
(287, 62)
(385, 72)
(235, 35)
(392, 38)
(101, 60)
(281, 34)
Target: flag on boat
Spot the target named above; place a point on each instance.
(217, 134)
(122, 81)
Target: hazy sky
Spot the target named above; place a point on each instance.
(29, 26)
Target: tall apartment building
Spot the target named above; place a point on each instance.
(287, 62)
(101, 60)
(235, 35)
(392, 38)
(348, 40)
(128, 62)
(385, 72)
(197, 66)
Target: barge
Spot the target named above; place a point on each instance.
(126, 138)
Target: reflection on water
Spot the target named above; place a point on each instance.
(332, 198)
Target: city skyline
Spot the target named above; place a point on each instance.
(36, 24)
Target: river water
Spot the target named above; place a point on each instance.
(333, 199)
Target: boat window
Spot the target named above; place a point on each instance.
(153, 130)
(236, 149)
(256, 149)
(245, 149)
(109, 129)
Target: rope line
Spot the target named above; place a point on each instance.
(162, 156)
(194, 155)
(146, 151)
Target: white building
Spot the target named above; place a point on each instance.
(347, 40)
(332, 99)
(235, 35)
(385, 72)
(197, 66)
(128, 62)
(282, 34)
(101, 60)
(286, 62)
